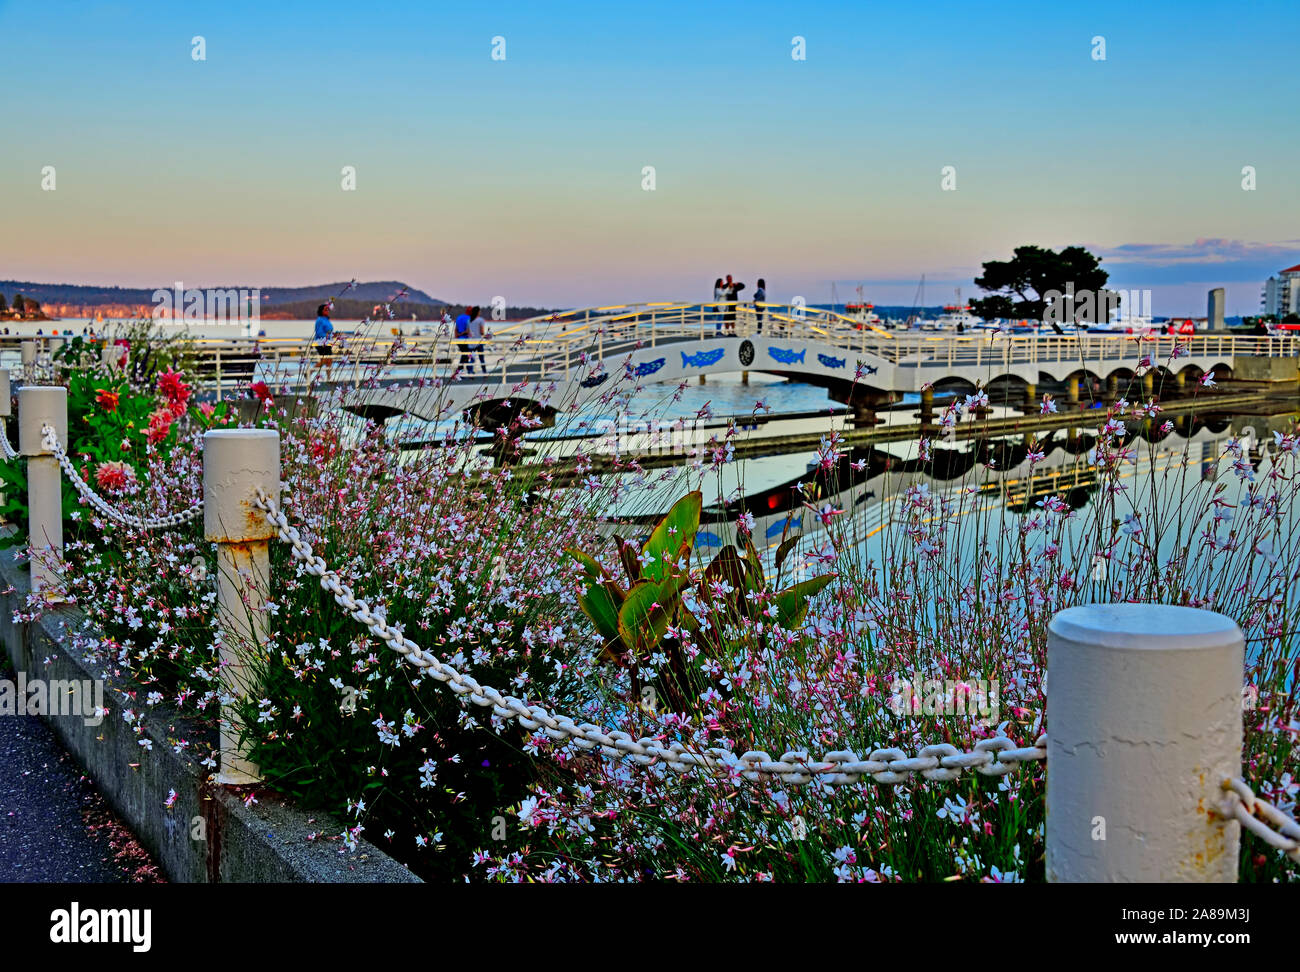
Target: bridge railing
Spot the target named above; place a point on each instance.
(552, 347)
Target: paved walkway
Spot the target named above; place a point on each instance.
(54, 825)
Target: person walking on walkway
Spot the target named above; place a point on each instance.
(477, 330)
(760, 298)
(462, 339)
(324, 338)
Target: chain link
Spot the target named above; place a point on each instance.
(1248, 809)
(942, 761)
(50, 441)
(10, 452)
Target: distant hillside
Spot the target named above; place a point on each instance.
(374, 291)
(278, 303)
(346, 309)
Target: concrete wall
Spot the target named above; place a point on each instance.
(208, 835)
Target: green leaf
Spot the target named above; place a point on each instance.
(792, 603)
(784, 549)
(646, 612)
(674, 537)
(591, 567)
(597, 604)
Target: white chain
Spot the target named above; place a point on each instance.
(50, 441)
(1248, 808)
(10, 452)
(942, 761)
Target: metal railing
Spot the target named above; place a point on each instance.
(553, 347)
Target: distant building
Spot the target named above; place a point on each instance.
(1282, 293)
(1214, 311)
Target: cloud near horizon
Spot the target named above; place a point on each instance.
(1207, 256)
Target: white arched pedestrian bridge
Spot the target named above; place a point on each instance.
(568, 359)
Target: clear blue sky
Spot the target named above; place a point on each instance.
(523, 177)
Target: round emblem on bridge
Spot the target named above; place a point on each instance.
(747, 352)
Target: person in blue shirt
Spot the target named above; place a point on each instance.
(323, 337)
(462, 338)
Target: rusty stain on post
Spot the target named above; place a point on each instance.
(237, 464)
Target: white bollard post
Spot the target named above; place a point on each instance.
(110, 355)
(236, 462)
(38, 406)
(1143, 725)
(27, 355)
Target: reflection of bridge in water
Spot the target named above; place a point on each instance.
(569, 360)
(885, 471)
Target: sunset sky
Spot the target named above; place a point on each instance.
(523, 177)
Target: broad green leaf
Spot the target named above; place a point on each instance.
(645, 614)
(792, 603)
(673, 538)
(590, 566)
(600, 608)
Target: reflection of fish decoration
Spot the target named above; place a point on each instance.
(780, 526)
(704, 538)
(787, 357)
(830, 362)
(594, 380)
(649, 367)
(702, 359)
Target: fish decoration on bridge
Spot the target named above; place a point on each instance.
(780, 526)
(869, 369)
(593, 380)
(703, 538)
(648, 367)
(702, 359)
(787, 357)
(831, 362)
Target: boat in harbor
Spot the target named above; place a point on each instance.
(862, 313)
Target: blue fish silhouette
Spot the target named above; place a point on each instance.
(649, 367)
(702, 359)
(704, 538)
(594, 380)
(869, 369)
(787, 357)
(777, 528)
(830, 362)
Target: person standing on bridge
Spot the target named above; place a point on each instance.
(731, 290)
(462, 338)
(324, 337)
(717, 299)
(477, 330)
(760, 298)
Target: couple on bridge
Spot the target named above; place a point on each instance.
(470, 328)
(727, 293)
